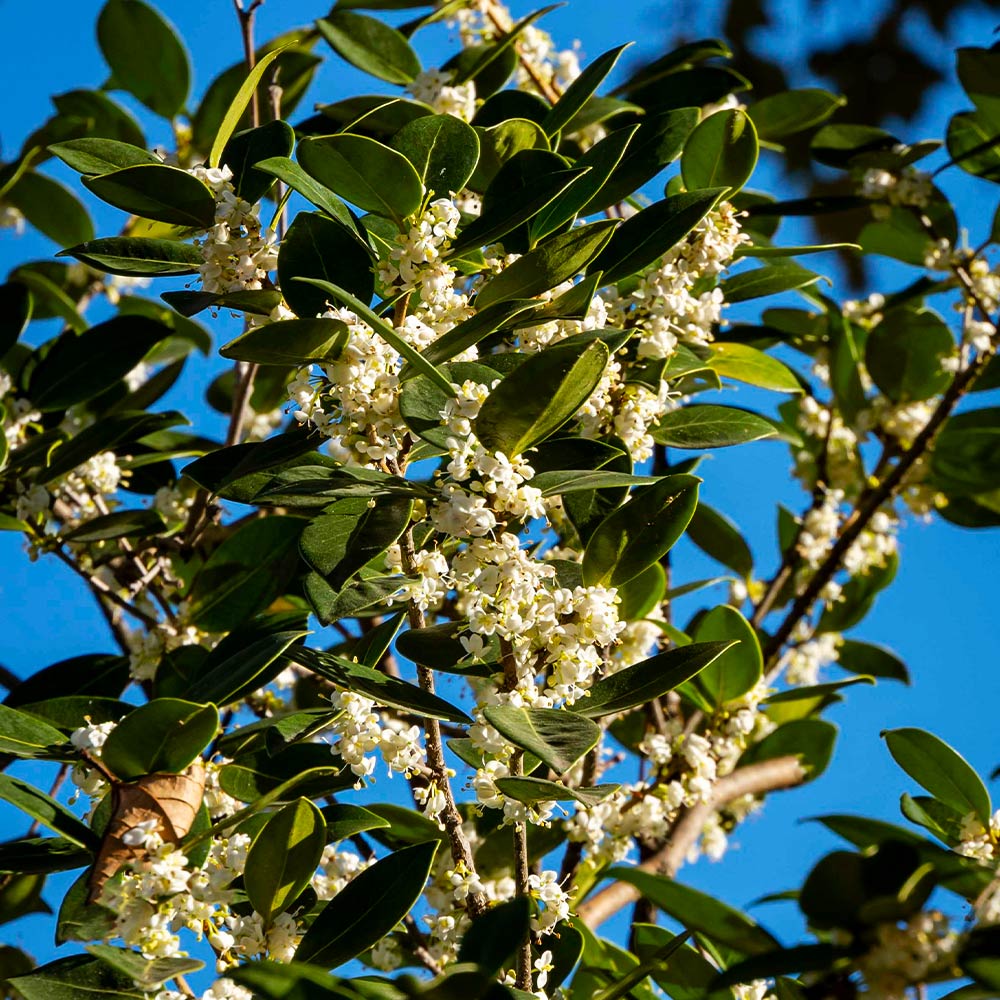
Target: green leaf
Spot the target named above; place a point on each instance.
(659, 141)
(720, 539)
(371, 46)
(364, 172)
(343, 821)
(539, 396)
(120, 524)
(380, 687)
(41, 855)
(768, 280)
(291, 174)
(147, 973)
(720, 152)
(974, 144)
(600, 162)
(261, 778)
(549, 264)
(47, 811)
(283, 858)
(940, 770)
(78, 368)
(903, 354)
(711, 426)
(532, 790)
(491, 940)
(980, 957)
(737, 670)
(367, 908)
(443, 150)
(977, 72)
(289, 342)
(580, 90)
(78, 977)
(800, 958)
(246, 660)
(145, 55)
(557, 737)
(103, 436)
(165, 734)
(867, 658)
(16, 308)
(966, 458)
(245, 573)
(746, 364)
(640, 532)
(350, 533)
(811, 740)
(649, 679)
(274, 140)
(386, 332)
(316, 247)
(698, 912)
(649, 234)
(51, 208)
(793, 111)
(837, 145)
(158, 192)
(234, 113)
(476, 328)
(101, 156)
(134, 256)
(25, 736)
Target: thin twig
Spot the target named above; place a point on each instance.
(755, 779)
(522, 975)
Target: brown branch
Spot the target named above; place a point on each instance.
(755, 779)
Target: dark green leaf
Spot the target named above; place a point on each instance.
(580, 90)
(343, 821)
(318, 247)
(378, 686)
(549, 264)
(556, 737)
(283, 857)
(720, 539)
(78, 977)
(40, 855)
(245, 573)
(147, 973)
(138, 257)
(52, 209)
(904, 354)
(159, 192)
(101, 156)
(443, 150)
(289, 342)
(120, 524)
(165, 734)
(737, 670)
(367, 908)
(145, 55)
(274, 140)
(640, 532)
(867, 658)
(539, 396)
(364, 172)
(46, 810)
(768, 280)
(370, 45)
(649, 679)
(492, 938)
(940, 770)
(812, 740)
(708, 425)
(720, 152)
(78, 368)
(649, 234)
(25, 736)
(699, 912)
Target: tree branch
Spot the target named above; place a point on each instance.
(755, 779)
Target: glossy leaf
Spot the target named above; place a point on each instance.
(367, 908)
(557, 738)
(370, 45)
(101, 156)
(289, 342)
(443, 150)
(156, 70)
(539, 396)
(283, 857)
(735, 672)
(651, 678)
(159, 192)
(746, 364)
(25, 736)
(165, 734)
(363, 172)
(78, 977)
(134, 256)
(720, 152)
(641, 531)
(793, 111)
(939, 769)
(46, 810)
(904, 354)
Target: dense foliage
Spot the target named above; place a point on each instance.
(431, 559)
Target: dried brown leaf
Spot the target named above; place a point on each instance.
(172, 800)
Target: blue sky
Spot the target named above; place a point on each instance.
(939, 616)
